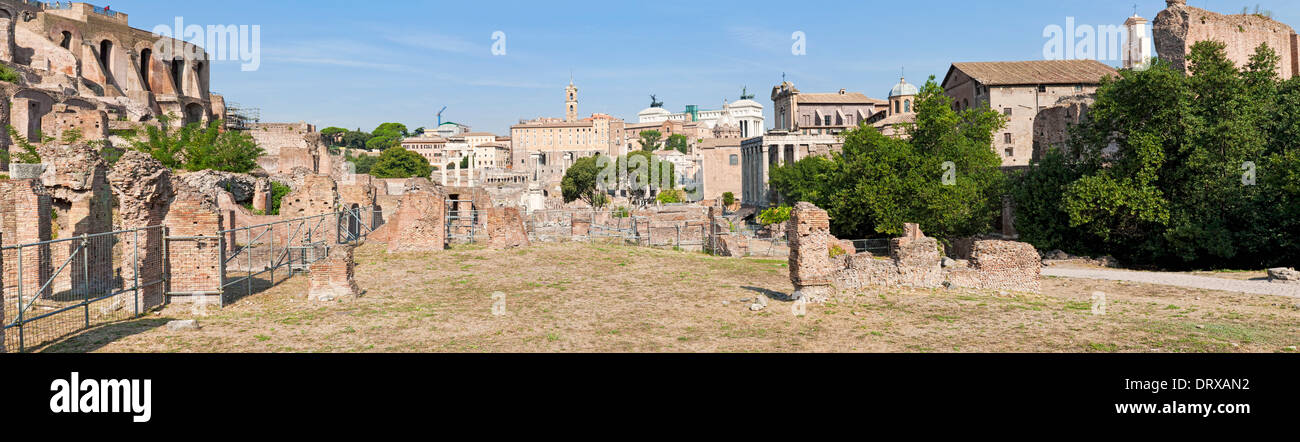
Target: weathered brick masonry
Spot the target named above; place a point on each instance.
(506, 228)
(333, 277)
(821, 265)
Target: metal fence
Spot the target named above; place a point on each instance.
(59, 287)
(622, 226)
(53, 289)
(256, 258)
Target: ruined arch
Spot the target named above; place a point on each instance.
(178, 74)
(194, 113)
(27, 109)
(146, 62)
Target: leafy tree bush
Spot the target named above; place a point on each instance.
(671, 196)
(278, 191)
(397, 162)
(27, 151)
(194, 147)
(650, 140)
(728, 199)
(878, 183)
(363, 163)
(1160, 175)
(579, 183)
(8, 74)
(775, 215)
(677, 142)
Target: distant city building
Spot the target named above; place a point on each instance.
(821, 113)
(720, 168)
(741, 119)
(448, 130)
(432, 148)
(1019, 90)
(900, 112)
(548, 146)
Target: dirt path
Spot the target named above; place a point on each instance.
(1179, 280)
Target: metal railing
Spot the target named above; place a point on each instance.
(287, 247)
(59, 287)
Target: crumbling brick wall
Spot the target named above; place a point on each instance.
(1180, 26)
(506, 228)
(25, 219)
(143, 187)
(77, 180)
(418, 225)
(318, 195)
(818, 269)
(193, 263)
(333, 277)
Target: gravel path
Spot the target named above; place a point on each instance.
(1180, 280)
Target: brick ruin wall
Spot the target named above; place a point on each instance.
(77, 179)
(333, 277)
(143, 187)
(25, 219)
(318, 195)
(273, 137)
(505, 228)
(418, 225)
(821, 265)
(1180, 26)
(194, 264)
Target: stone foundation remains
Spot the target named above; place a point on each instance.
(506, 228)
(821, 265)
(333, 277)
(418, 225)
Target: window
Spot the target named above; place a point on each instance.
(1006, 111)
(735, 159)
(1042, 89)
(1078, 88)
(907, 106)
(1011, 151)
(827, 121)
(1007, 137)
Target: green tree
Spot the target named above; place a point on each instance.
(356, 139)
(728, 199)
(945, 178)
(397, 162)
(677, 142)
(650, 140)
(1160, 173)
(362, 163)
(580, 182)
(194, 147)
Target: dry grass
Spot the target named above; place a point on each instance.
(604, 298)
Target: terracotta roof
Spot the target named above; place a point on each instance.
(1035, 72)
(837, 98)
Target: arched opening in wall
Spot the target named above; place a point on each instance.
(106, 58)
(354, 222)
(6, 27)
(66, 41)
(146, 61)
(377, 217)
(193, 114)
(38, 105)
(178, 77)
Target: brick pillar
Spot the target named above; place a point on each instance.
(262, 196)
(808, 232)
(334, 277)
(194, 264)
(25, 209)
(143, 189)
(505, 228)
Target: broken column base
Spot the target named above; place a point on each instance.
(333, 277)
(816, 294)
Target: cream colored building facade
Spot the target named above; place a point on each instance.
(1019, 91)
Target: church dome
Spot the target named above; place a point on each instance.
(903, 89)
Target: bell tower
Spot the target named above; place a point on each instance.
(1137, 51)
(571, 103)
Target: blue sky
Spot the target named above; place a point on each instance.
(360, 63)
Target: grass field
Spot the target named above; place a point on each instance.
(577, 297)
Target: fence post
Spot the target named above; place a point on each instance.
(221, 270)
(85, 276)
(21, 348)
(248, 249)
(135, 265)
(270, 257)
(166, 262)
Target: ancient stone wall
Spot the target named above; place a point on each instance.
(506, 228)
(273, 137)
(1052, 125)
(333, 277)
(318, 195)
(143, 187)
(821, 265)
(1180, 26)
(193, 263)
(418, 225)
(25, 219)
(77, 180)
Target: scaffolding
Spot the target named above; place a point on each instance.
(239, 117)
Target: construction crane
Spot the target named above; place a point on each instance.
(444, 108)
